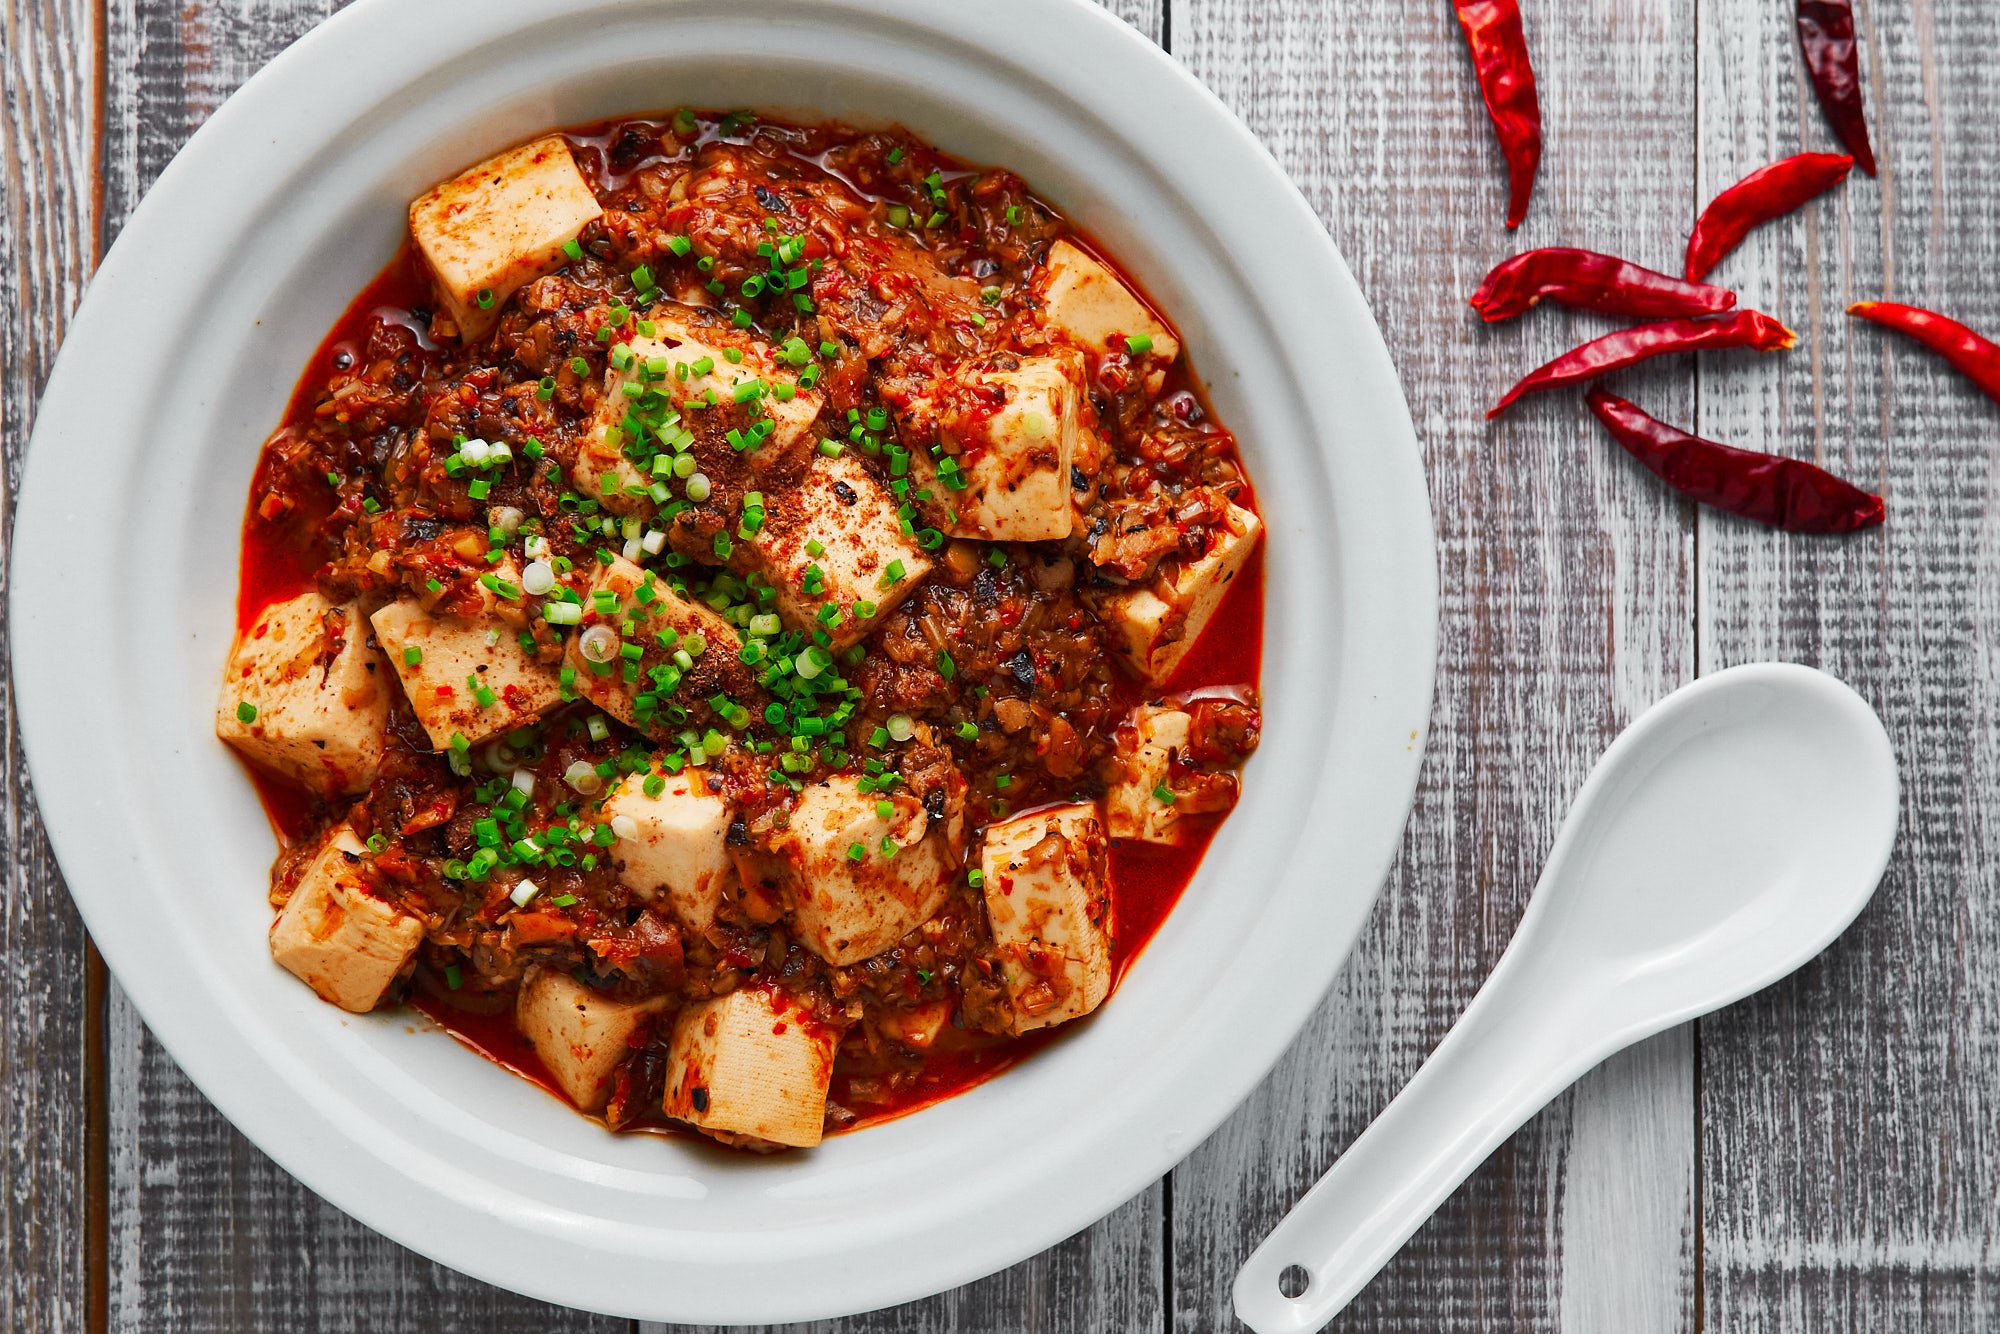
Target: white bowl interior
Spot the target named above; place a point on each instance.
(396, 1123)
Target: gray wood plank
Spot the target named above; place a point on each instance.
(1850, 1139)
(48, 129)
(1567, 608)
(206, 1233)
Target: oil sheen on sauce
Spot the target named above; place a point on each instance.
(1146, 879)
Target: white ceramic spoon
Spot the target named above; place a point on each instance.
(1726, 838)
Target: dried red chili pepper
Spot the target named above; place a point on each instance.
(1628, 347)
(1507, 82)
(1826, 38)
(1785, 493)
(1977, 358)
(1590, 281)
(1766, 193)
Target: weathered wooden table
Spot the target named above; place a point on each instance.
(1824, 1157)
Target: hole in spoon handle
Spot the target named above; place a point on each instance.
(1514, 1049)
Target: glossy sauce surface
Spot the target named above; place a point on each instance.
(1146, 880)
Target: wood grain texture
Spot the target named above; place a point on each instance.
(1842, 1127)
(1567, 607)
(48, 129)
(1851, 1116)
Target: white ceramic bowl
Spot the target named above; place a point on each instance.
(125, 576)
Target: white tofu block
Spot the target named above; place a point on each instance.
(1016, 460)
(631, 692)
(487, 651)
(665, 367)
(581, 1035)
(500, 225)
(751, 1068)
(918, 1026)
(1083, 298)
(1050, 909)
(1148, 753)
(1156, 624)
(681, 847)
(321, 695)
(845, 907)
(838, 504)
(337, 935)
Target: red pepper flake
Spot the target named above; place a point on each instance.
(1826, 39)
(1507, 82)
(1766, 193)
(1973, 356)
(1587, 280)
(1628, 347)
(1784, 493)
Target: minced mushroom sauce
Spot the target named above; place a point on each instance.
(873, 269)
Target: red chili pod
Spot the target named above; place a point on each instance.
(1975, 357)
(1826, 39)
(1766, 193)
(1588, 280)
(1628, 347)
(1507, 82)
(1784, 493)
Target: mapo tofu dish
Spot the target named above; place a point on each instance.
(750, 624)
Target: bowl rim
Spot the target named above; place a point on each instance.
(1397, 609)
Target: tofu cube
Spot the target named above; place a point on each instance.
(751, 1068)
(499, 226)
(1084, 299)
(337, 934)
(1155, 624)
(681, 847)
(581, 1035)
(1016, 460)
(918, 1026)
(646, 612)
(320, 693)
(451, 650)
(1050, 908)
(1149, 752)
(866, 565)
(858, 881)
(665, 369)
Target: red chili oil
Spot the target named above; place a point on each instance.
(1146, 880)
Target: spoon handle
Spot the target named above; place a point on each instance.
(1524, 1039)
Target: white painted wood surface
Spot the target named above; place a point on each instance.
(1851, 1116)
(1826, 1157)
(1567, 609)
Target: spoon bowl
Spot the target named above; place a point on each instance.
(1727, 837)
